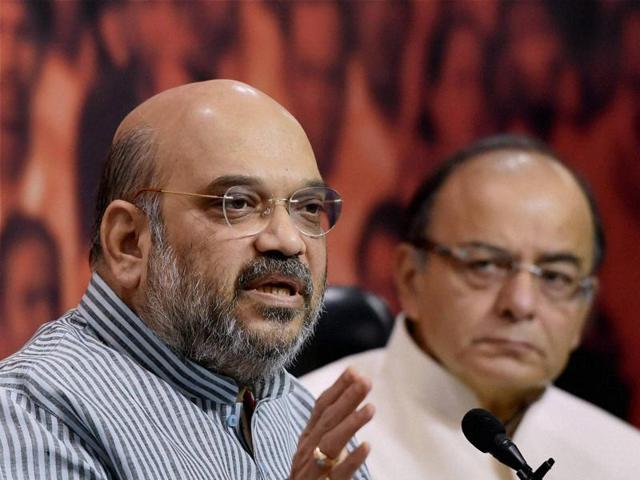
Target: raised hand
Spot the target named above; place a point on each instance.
(334, 420)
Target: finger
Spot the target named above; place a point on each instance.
(342, 407)
(331, 396)
(350, 465)
(333, 447)
(304, 463)
(333, 442)
(333, 393)
(336, 413)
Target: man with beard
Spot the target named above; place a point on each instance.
(209, 266)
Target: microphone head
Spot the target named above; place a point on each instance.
(481, 429)
(487, 434)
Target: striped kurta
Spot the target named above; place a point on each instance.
(96, 394)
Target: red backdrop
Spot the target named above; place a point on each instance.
(385, 90)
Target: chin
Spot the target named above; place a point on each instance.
(508, 374)
(271, 331)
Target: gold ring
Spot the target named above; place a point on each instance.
(322, 459)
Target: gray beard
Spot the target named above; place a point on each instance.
(197, 319)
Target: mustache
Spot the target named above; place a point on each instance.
(288, 267)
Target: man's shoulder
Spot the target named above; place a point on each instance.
(585, 441)
(578, 415)
(366, 363)
(44, 344)
(45, 362)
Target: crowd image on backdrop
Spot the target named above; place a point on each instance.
(385, 92)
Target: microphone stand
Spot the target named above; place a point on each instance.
(526, 473)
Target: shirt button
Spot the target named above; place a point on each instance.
(232, 420)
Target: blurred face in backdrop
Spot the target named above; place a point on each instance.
(19, 49)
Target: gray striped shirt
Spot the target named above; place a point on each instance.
(96, 394)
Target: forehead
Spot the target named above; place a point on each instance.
(520, 201)
(204, 143)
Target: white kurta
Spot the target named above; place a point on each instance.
(416, 433)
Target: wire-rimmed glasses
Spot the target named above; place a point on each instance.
(313, 210)
(483, 267)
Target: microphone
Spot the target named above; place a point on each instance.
(487, 434)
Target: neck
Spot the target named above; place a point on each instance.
(507, 404)
(509, 408)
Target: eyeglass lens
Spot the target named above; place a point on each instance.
(556, 281)
(313, 210)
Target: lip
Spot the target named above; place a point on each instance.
(292, 284)
(293, 300)
(509, 345)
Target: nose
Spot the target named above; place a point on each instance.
(280, 234)
(518, 297)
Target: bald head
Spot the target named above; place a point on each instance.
(210, 115)
(510, 192)
(180, 108)
(194, 129)
(513, 154)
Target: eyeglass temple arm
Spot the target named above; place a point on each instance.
(171, 192)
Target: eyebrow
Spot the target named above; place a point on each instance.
(566, 257)
(487, 246)
(226, 181)
(553, 257)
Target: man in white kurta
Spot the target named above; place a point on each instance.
(496, 277)
(416, 433)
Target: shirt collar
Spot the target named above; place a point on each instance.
(434, 388)
(116, 325)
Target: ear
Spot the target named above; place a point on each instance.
(406, 271)
(126, 242)
(586, 314)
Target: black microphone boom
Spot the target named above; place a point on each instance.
(487, 434)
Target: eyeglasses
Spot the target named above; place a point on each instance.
(313, 210)
(482, 267)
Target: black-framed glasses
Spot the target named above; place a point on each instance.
(483, 267)
(313, 210)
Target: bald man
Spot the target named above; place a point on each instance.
(496, 277)
(209, 265)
